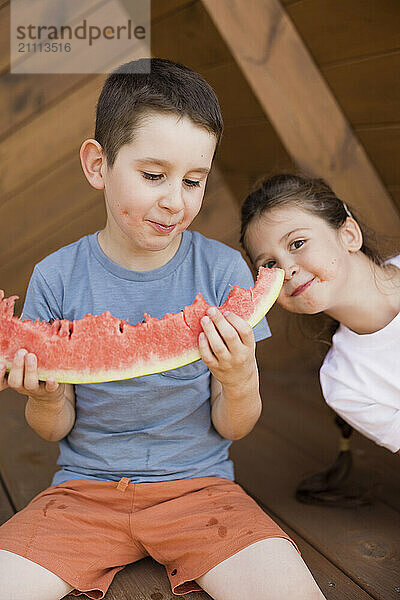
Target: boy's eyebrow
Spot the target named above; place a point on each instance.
(166, 163)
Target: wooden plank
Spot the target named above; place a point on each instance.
(287, 348)
(161, 8)
(15, 275)
(189, 36)
(383, 145)
(70, 14)
(363, 543)
(66, 14)
(5, 37)
(253, 148)
(395, 193)
(72, 118)
(22, 96)
(219, 206)
(6, 509)
(335, 30)
(27, 462)
(44, 206)
(238, 103)
(299, 104)
(98, 59)
(368, 91)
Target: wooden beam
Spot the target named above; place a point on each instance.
(300, 105)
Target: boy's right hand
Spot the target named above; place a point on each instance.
(23, 378)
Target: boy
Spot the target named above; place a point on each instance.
(144, 462)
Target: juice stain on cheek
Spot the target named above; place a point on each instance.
(126, 216)
(330, 272)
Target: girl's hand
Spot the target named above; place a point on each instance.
(23, 378)
(227, 347)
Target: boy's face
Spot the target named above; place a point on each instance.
(155, 188)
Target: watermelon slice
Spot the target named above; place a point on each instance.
(104, 348)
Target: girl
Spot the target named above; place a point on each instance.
(297, 223)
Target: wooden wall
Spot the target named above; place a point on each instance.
(356, 44)
(45, 202)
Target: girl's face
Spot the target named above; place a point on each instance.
(313, 255)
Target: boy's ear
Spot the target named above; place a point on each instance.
(93, 163)
(351, 235)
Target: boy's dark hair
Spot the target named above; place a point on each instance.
(152, 85)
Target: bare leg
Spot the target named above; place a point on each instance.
(22, 579)
(271, 569)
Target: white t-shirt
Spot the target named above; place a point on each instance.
(360, 380)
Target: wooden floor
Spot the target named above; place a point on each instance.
(354, 554)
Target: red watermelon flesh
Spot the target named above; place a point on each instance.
(105, 348)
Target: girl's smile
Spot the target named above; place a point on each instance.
(300, 289)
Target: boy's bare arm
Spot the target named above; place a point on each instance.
(50, 409)
(52, 419)
(228, 348)
(235, 411)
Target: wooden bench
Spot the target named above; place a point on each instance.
(352, 553)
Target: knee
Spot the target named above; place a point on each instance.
(23, 579)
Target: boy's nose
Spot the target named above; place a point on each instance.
(172, 201)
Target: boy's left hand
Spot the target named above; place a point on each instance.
(227, 347)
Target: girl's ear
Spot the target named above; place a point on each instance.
(93, 163)
(351, 235)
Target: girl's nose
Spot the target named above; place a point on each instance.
(290, 272)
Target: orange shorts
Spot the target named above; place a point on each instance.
(86, 531)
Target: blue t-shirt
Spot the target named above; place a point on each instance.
(152, 428)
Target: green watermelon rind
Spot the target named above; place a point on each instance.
(73, 377)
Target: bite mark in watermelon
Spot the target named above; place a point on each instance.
(105, 348)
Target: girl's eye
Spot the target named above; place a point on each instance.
(296, 244)
(191, 183)
(152, 176)
(270, 264)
